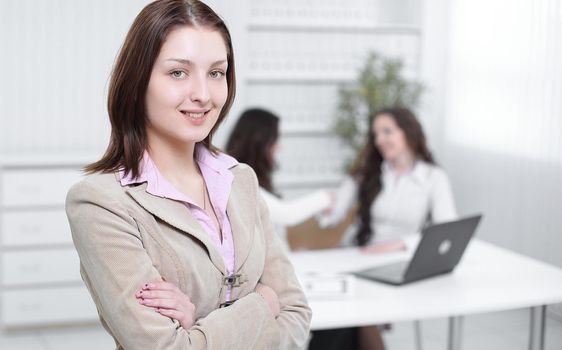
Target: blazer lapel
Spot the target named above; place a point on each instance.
(177, 215)
(241, 213)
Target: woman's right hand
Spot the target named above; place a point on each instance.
(384, 247)
(270, 298)
(168, 300)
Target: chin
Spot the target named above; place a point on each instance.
(199, 138)
(191, 137)
(389, 158)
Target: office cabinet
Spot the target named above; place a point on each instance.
(40, 280)
(298, 54)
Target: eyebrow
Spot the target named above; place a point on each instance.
(190, 63)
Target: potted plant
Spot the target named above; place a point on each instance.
(380, 84)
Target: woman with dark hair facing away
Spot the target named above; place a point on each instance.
(175, 244)
(254, 140)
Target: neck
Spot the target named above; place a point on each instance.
(175, 162)
(403, 163)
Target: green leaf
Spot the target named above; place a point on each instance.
(380, 84)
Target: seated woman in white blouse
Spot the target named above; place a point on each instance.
(254, 141)
(398, 189)
(396, 184)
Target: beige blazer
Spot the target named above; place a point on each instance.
(126, 237)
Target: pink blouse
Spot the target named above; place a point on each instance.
(218, 179)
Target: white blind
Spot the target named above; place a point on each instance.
(503, 123)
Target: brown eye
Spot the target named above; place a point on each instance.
(216, 74)
(178, 74)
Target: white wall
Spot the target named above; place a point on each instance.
(433, 70)
(56, 58)
(502, 127)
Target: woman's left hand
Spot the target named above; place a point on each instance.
(168, 300)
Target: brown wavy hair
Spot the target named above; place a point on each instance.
(250, 142)
(367, 169)
(131, 74)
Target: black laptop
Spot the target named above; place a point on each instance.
(439, 251)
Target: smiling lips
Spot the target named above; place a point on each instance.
(196, 118)
(194, 115)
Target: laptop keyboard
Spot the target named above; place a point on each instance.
(392, 270)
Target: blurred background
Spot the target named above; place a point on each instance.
(491, 108)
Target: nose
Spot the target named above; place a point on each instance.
(199, 90)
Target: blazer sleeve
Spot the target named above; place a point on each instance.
(293, 323)
(114, 265)
(293, 212)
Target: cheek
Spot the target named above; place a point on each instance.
(383, 140)
(220, 93)
(400, 141)
(173, 95)
(161, 95)
(391, 141)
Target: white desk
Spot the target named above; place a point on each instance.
(487, 279)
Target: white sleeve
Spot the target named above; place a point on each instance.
(442, 202)
(346, 197)
(293, 212)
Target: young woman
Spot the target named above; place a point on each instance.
(395, 183)
(254, 141)
(174, 241)
(397, 188)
